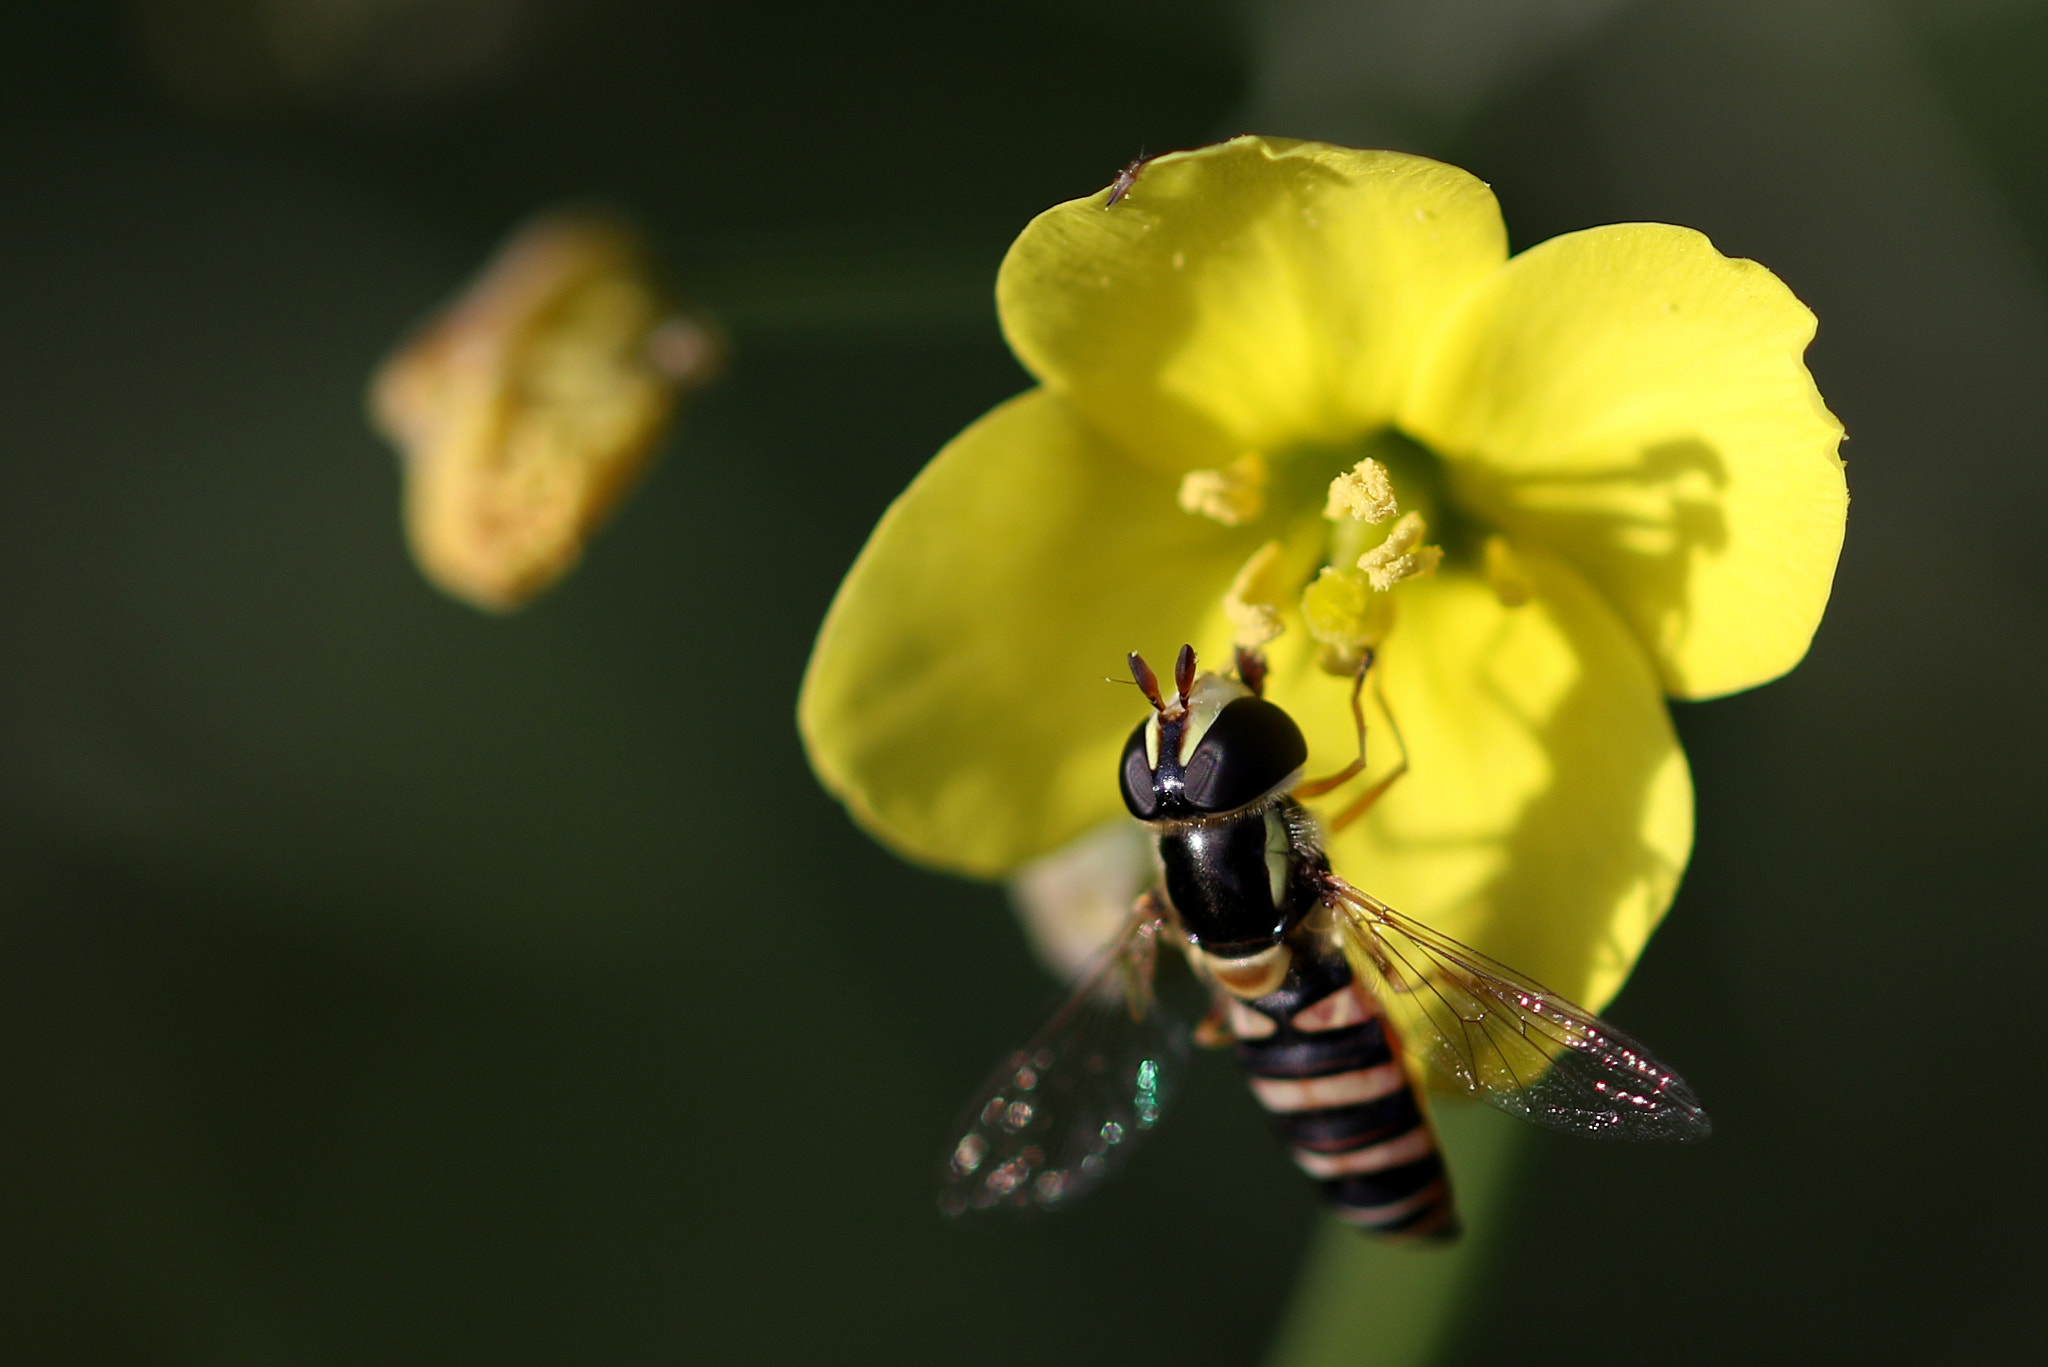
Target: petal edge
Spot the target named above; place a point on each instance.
(1639, 403)
(955, 699)
(1256, 294)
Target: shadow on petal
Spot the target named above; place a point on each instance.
(1547, 815)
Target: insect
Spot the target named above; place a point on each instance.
(1337, 1003)
(1125, 179)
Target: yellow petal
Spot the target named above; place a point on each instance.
(955, 700)
(1547, 814)
(1257, 294)
(1639, 403)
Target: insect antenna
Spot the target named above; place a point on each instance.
(1147, 681)
(1184, 672)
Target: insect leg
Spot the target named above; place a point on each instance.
(1317, 787)
(1214, 1032)
(1371, 795)
(1251, 669)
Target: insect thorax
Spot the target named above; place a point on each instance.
(1241, 881)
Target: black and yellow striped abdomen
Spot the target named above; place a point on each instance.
(1321, 1059)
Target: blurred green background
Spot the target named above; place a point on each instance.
(380, 982)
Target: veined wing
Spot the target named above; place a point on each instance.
(1486, 1030)
(1061, 1113)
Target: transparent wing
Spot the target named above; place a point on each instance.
(1486, 1030)
(1061, 1113)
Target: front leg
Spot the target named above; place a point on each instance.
(1214, 1032)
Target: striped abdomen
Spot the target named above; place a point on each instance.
(1321, 1060)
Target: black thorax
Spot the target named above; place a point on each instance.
(1220, 875)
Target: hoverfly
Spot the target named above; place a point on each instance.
(1336, 1002)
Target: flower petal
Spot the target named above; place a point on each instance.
(1547, 814)
(1638, 402)
(1256, 294)
(955, 700)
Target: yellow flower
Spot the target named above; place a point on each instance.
(1301, 394)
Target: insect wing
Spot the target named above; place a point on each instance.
(1486, 1030)
(1061, 1113)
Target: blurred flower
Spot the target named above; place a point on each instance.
(1299, 395)
(527, 407)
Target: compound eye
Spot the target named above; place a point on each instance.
(1140, 794)
(1248, 751)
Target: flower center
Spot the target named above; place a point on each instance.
(1349, 526)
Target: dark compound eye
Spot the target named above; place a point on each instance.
(1249, 750)
(1139, 794)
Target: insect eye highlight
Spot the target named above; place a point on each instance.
(1140, 794)
(1248, 751)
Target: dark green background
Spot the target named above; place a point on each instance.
(380, 982)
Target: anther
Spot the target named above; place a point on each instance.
(1402, 555)
(1363, 493)
(1232, 496)
(1252, 603)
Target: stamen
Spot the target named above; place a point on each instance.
(1253, 602)
(1364, 493)
(1504, 573)
(1232, 496)
(1346, 617)
(1402, 555)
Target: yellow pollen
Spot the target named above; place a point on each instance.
(1233, 495)
(1402, 555)
(1363, 493)
(1253, 602)
(1504, 574)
